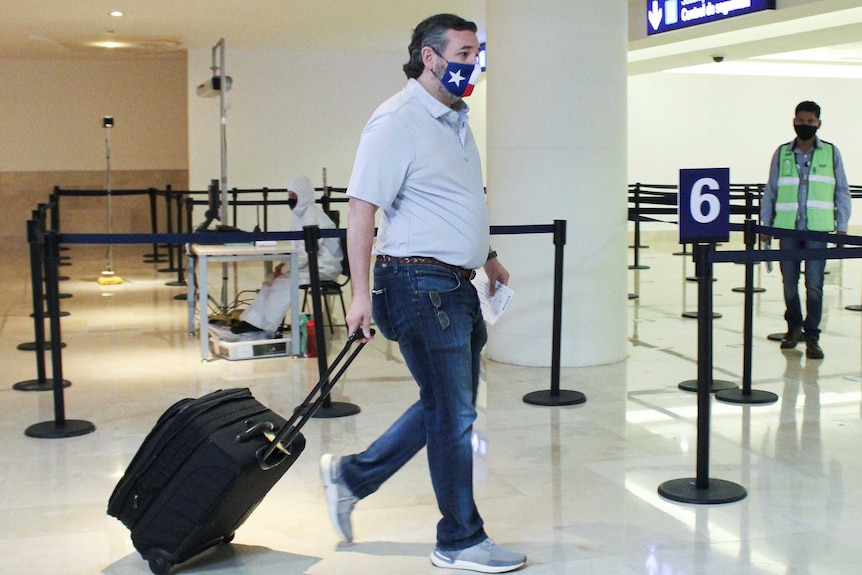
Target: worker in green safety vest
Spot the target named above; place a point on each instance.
(807, 191)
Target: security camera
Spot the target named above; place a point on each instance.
(718, 58)
(212, 87)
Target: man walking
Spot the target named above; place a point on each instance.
(418, 162)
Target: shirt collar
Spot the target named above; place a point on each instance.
(817, 143)
(435, 107)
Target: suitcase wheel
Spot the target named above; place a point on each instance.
(159, 562)
(229, 538)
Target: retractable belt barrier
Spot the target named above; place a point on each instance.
(702, 489)
(51, 239)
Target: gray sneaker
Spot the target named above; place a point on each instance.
(339, 499)
(484, 557)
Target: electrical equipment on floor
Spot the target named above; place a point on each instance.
(253, 345)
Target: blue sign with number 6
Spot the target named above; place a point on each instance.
(704, 205)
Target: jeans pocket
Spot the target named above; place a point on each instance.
(381, 314)
(437, 280)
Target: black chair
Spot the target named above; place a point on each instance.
(331, 288)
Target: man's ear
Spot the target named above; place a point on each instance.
(428, 57)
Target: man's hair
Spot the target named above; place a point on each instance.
(433, 32)
(808, 106)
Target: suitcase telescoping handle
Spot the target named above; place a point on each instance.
(308, 407)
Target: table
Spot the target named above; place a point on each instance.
(201, 255)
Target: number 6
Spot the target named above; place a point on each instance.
(699, 198)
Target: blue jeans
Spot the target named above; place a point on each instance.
(441, 337)
(813, 288)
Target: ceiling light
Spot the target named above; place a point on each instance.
(110, 44)
(116, 13)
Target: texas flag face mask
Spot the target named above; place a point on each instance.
(460, 79)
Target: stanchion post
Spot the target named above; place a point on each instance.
(40, 218)
(169, 228)
(266, 209)
(746, 395)
(154, 257)
(235, 196)
(184, 255)
(702, 489)
(750, 242)
(637, 244)
(60, 427)
(54, 206)
(55, 211)
(329, 408)
(555, 396)
(703, 275)
(637, 198)
(178, 248)
(35, 238)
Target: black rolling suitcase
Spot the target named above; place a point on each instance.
(206, 465)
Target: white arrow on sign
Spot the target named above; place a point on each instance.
(655, 15)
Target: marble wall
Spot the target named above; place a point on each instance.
(22, 192)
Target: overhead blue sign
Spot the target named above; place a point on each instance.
(704, 205)
(666, 15)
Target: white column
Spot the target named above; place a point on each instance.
(556, 149)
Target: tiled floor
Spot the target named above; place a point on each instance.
(574, 487)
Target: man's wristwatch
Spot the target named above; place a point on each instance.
(491, 255)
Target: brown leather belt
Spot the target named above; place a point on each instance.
(465, 273)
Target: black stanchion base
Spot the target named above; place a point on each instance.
(51, 430)
(775, 337)
(638, 267)
(548, 398)
(681, 253)
(31, 346)
(336, 409)
(639, 246)
(854, 307)
(168, 270)
(717, 385)
(753, 397)
(695, 278)
(177, 284)
(182, 296)
(693, 315)
(633, 296)
(755, 290)
(686, 491)
(61, 296)
(36, 385)
(62, 314)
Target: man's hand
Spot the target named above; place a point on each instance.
(840, 244)
(359, 317)
(765, 239)
(496, 273)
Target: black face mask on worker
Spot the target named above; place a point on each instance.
(805, 131)
(291, 202)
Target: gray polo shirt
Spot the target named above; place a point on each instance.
(417, 161)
